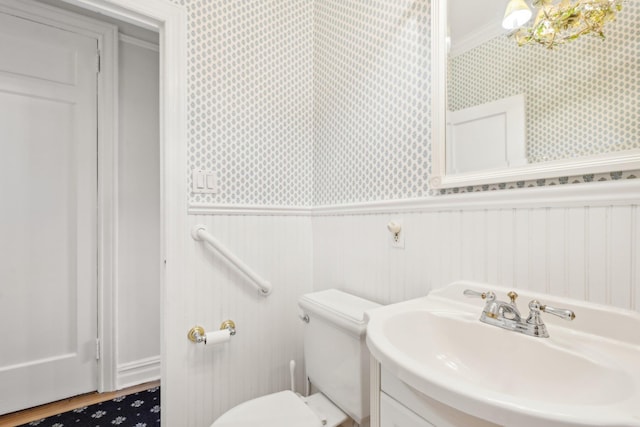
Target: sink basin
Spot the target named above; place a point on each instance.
(587, 373)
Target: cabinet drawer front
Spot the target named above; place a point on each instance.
(393, 414)
(438, 414)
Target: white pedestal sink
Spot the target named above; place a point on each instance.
(587, 373)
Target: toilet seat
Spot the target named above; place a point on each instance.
(330, 415)
(274, 410)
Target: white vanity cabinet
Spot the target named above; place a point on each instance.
(394, 414)
(395, 404)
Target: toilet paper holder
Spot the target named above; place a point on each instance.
(197, 334)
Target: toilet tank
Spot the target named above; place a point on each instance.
(336, 355)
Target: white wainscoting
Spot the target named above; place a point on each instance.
(269, 334)
(584, 249)
(581, 242)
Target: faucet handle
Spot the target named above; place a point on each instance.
(537, 328)
(563, 313)
(489, 296)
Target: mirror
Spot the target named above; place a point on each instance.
(503, 112)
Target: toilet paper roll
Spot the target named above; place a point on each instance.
(217, 337)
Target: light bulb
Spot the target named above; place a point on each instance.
(516, 15)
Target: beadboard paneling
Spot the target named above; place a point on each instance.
(585, 249)
(269, 334)
(587, 252)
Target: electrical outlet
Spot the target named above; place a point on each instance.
(396, 234)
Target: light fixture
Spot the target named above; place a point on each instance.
(561, 21)
(516, 15)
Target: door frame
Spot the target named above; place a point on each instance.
(170, 21)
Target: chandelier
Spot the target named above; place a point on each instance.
(559, 22)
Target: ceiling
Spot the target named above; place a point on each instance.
(469, 18)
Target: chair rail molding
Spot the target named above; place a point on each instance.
(608, 193)
(622, 192)
(213, 209)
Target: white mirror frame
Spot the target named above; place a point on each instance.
(610, 162)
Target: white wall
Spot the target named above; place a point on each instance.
(340, 89)
(255, 361)
(569, 242)
(250, 118)
(579, 241)
(138, 229)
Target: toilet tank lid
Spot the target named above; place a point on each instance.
(342, 304)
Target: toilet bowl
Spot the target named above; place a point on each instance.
(283, 409)
(337, 364)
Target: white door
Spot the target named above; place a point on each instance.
(48, 192)
(487, 136)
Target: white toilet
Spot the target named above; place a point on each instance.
(337, 364)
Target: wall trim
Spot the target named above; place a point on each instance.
(212, 209)
(567, 195)
(607, 193)
(477, 38)
(138, 372)
(138, 42)
(170, 20)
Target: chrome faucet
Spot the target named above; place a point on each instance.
(507, 316)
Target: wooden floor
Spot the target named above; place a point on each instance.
(44, 411)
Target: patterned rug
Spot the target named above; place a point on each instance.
(140, 409)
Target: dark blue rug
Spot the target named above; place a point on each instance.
(140, 409)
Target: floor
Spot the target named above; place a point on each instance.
(32, 414)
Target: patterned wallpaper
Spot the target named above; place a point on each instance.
(250, 67)
(581, 99)
(372, 100)
(319, 102)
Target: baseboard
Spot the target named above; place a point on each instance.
(138, 372)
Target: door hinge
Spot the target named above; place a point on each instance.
(98, 62)
(97, 348)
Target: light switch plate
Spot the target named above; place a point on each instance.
(204, 181)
